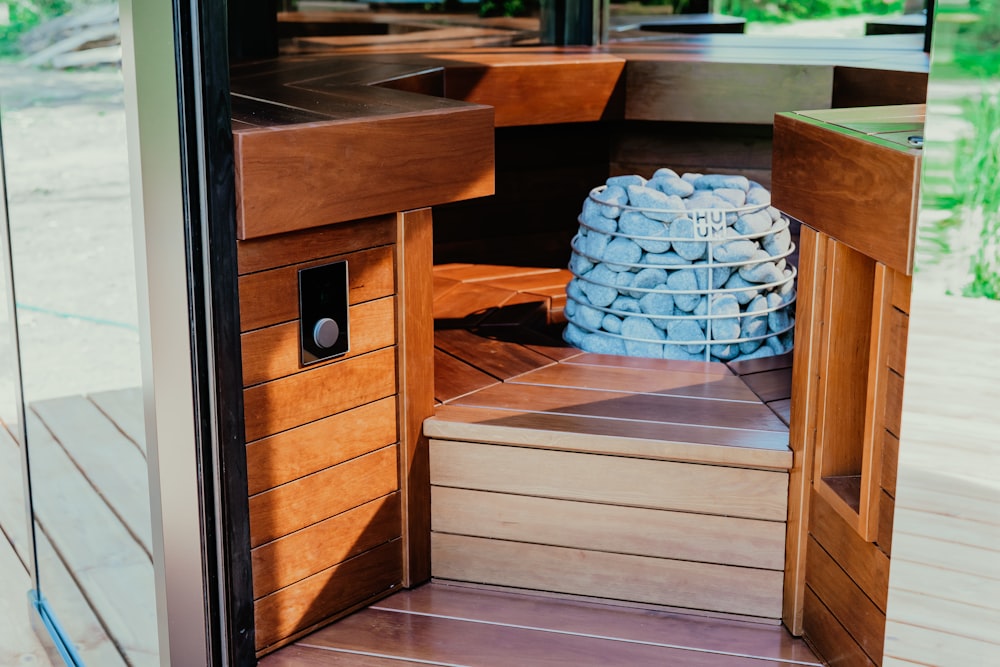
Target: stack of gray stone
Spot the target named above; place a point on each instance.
(681, 267)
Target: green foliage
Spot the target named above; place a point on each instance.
(790, 10)
(25, 15)
(977, 46)
(508, 7)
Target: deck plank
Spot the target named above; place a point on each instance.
(586, 618)
(678, 442)
(621, 405)
(501, 359)
(775, 385)
(455, 642)
(124, 407)
(18, 644)
(113, 570)
(454, 378)
(313, 656)
(13, 516)
(110, 461)
(633, 380)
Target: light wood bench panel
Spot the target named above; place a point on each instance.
(304, 397)
(274, 352)
(272, 297)
(301, 503)
(301, 451)
(297, 609)
(644, 407)
(611, 528)
(271, 252)
(736, 590)
(303, 553)
(598, 435)
(753, 494)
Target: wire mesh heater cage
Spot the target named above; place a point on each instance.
(691, 268)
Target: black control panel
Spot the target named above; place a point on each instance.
(323, 326)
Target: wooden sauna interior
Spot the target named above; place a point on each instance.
(460, 440)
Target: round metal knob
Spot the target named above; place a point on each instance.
(326, 332)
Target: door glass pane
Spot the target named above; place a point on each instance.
(67, 180)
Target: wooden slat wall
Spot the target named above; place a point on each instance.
(323, 441)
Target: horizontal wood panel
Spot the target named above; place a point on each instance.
(832, 642)
(272, 297)
(815, 175)
(691, 146)
(720, 588)
(312, 600)
(620, 405)
(304, 397)
(274, 352)
(890, 462)
(676, 383)
(899, 324)
(294, 557)
(453, 642)
(886, 511)
(893, 402)
(297, 177)
(713, 90)
(293, 506)
(538, 90)
(866, 565)
(271, 252)
(753, 494)
(846, 601)
(675, 442)
(320, 444)
(902, 286)
(611, 528)
(556, 614)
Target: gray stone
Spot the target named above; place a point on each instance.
(570, 308)
(579, 264)
(625, 181)
(626, 304)
(774, 213)
(602, 344)
(758, 195)
(777, 320)
(621, 253)
(635, 223)
(736, 251)
(754, 325)
(687, 331)
(684, 280)
(593, 246)
(691, 177)
(753, 222)
(664, 207)
(680, 353)
(574, 291)
(588, 317)
(725, 328)
(725, 352)
(657, 305)
(598, 285)
(720, 274)
(705, 200)
(762, 351)
(776, 345)
(734, 196)
(611, 323)
(669, 258)
(634, 327)
(593, 217)
(719, 181)
(664, 172)
(736, 282)
(762, 272)
(777, 243)
(683, 228)
(672, 185)
(647, 279)
(611, 198)
(573, 334)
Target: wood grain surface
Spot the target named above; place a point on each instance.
(629, 530)
(754, 494)
(736, 590)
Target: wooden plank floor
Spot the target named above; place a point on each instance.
(439, 624)
(92, 529)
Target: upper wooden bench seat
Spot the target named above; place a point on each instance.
(324, 131)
